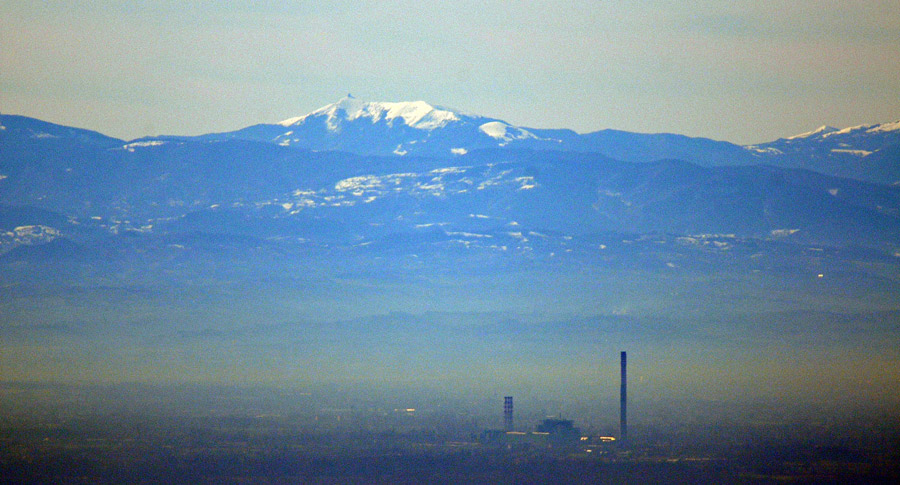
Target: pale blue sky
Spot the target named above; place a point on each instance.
(743, 71)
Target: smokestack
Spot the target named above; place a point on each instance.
(623, 404)
(508, 413)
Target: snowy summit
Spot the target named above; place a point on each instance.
(415, 114)
(398, 128)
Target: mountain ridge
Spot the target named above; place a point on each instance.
(417, 128)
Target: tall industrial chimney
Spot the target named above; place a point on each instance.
(623, 404)
(508, 413)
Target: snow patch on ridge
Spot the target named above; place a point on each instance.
(783, 232)
(494, 129)
(142, 144)
(824, 129)
(885, 127)
(34, 233)
(765, 151)
(876, 128)
(846, 130)
(861, 153)
(499, 130)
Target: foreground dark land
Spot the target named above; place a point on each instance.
(71, 436)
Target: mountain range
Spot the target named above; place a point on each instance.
(868, 152)
(397, 242)
(366, 173)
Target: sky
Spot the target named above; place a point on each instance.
(741, 71)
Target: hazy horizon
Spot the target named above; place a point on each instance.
(741, 72)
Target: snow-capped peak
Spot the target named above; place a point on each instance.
(876, 128)
(884, 127)
(415, 114)
(824, 132)
(824, 129)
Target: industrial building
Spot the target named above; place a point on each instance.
(558, 432)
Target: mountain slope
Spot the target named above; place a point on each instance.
(263, 189)
(865, 152)
(17, 130)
